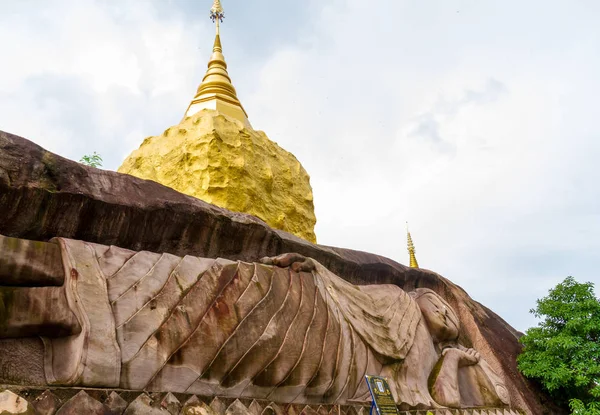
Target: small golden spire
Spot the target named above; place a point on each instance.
(411, 250)
(216, 91)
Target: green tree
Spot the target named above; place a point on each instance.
(563, 352)
(92, 160)
(580, 408)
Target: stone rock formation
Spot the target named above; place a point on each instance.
(220, 160)
(136, 403)
(11, 403)
(43, 195)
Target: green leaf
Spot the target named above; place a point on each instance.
(93, 160)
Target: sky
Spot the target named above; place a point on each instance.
(475, 121)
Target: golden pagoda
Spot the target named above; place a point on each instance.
(216, 91)
(215, 155)
(411, 250)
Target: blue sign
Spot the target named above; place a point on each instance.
(383, 401)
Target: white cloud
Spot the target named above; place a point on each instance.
(474, 121)
(89, 73)
(457, 124)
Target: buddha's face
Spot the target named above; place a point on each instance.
(441, 320)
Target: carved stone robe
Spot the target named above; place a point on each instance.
(217, 327)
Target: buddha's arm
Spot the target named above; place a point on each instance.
(443, 381)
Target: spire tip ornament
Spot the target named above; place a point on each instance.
(411, 249)
(216, 12)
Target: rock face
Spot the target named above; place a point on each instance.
(221, 161)
(12, 404)
(43, 196)
(136, 403)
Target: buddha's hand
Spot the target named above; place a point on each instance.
(464, 357)
(33, 299)
(297, 262)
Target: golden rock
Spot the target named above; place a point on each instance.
(223, 161)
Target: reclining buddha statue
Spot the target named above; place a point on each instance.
(283, 328)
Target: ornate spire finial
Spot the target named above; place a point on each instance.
(216, 11)
(411, 249)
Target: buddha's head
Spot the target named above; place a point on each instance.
(441, 320)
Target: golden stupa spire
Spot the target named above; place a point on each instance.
(216, 91)
(411, 250)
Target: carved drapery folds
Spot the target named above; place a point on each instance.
(291, 332)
